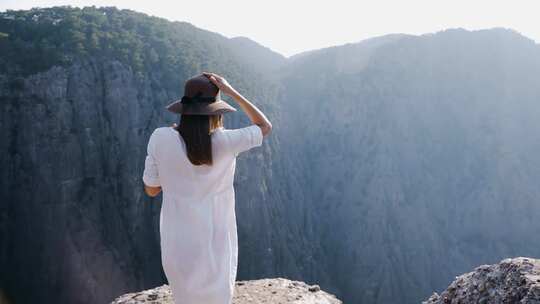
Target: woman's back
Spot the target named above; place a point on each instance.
(177, 175)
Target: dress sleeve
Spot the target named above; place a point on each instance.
(151, 174)
(243, 139)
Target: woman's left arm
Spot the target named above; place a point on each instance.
(151, 180)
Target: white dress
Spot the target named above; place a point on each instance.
(199, 245)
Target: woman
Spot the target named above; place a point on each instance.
(194, 164)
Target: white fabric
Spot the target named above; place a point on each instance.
(199, 245)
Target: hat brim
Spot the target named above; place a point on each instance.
(200, 108)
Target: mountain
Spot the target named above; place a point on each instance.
(257, 55)
(417, 162)
(395, 163)
(343, 58)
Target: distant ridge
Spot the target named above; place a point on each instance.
(374, 40)
(256, 54)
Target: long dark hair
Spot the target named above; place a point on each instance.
(196, 130)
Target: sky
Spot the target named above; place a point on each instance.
(293, 26)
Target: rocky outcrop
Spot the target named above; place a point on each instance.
(514, 280)
(278, 290)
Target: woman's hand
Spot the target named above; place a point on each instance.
(255, 115)
(221, 83)
(152, 191)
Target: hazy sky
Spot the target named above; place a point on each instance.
(293, 26)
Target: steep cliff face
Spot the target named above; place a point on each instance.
(71, 183)
(72, 192)
(417, 158)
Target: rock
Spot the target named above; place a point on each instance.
(314, 288)
(514, 280)
(277, 290)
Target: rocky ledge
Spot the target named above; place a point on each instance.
(514, 280)
(278, 290)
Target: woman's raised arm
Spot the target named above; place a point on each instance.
(255, 115)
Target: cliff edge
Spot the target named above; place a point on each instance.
(278, 290)
(515, 280)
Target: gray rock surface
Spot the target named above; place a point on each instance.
(513, 280)
(277, 290)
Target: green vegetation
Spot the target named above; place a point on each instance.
(34, 40)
